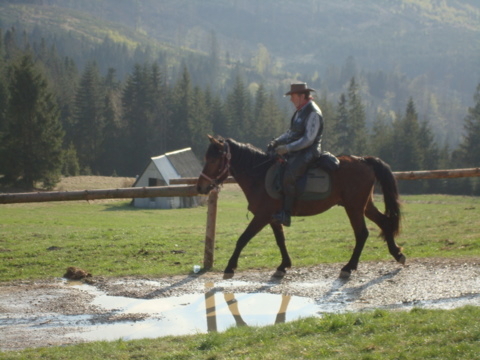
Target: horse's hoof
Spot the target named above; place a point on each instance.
(279, 274)
(402, 259)
(345, 274)
(227, 276)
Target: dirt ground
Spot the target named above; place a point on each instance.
(28, 310)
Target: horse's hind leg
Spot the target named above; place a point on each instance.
(384, 224)
(252, 229)
(357, 220)
(280, 238)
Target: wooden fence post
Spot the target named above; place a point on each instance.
(210, 232)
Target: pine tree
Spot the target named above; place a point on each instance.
(32, 143)
(344, 140)
(89, 121)
(3, 100)
(199, 122)
(431, 157)
(406, 142)
(2, 49)
(12, 50)
(239, 112)
(111, 160)
(67, 86)
(356, 120)
(428, 147)
(216, 113)
(468, 153)
(445, 157)
(260, 128)
(181, 112)
(71, 167)
(470, 146)
(159, 95)
(138, 117)
(407, 149)
(329, 137)
(268, 120)
(381, 140)
(146, 117)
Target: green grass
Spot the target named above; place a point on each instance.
(40, 240)
(417, 334)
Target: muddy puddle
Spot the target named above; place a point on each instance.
(214, 311)
(62, 312)
(187, 314)
(120, 317)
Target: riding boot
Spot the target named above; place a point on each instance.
(283, 216)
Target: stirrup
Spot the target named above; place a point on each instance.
(282, 217)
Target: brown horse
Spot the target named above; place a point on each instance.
(352, 188)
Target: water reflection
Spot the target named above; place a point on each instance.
(233, 307)
(188, 314)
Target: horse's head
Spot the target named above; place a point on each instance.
(217, 165)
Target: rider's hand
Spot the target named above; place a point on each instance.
(281, 149)
(271, 145)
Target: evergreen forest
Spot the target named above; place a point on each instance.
(70, 105)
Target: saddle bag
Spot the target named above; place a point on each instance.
(327, 161)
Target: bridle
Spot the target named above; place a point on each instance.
(224, 169)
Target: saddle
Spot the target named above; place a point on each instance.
(315, 184)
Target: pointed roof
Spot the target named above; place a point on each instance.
(176, 164)
(185, 162)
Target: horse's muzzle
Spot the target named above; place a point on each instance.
(204, 190)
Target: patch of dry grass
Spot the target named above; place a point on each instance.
(75, 183)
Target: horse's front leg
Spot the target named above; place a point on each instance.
(252, 229)
(280, 238)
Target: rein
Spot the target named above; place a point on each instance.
(225, 168)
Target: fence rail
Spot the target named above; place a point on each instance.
(437, 174)
(123, 193)
(399, 175)
(185, 187)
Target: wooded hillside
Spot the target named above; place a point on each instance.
(127, 80)
(427, 49)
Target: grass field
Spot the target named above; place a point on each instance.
(40, 240)
(110, 238)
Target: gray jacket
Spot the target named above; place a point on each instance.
(305, 133)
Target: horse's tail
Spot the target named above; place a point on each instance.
(385, 177)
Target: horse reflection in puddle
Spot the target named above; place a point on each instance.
(232, 303)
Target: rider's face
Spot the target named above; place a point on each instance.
(296, 99)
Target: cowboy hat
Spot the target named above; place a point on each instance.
(298, 88)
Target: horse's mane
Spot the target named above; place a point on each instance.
(248, 158)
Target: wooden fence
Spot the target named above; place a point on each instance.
(124, 193)
(185, 187)
(402, 175)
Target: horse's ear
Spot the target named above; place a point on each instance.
(215, 142)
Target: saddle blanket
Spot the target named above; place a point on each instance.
(314, 185)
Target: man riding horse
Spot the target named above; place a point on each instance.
(300, 144)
